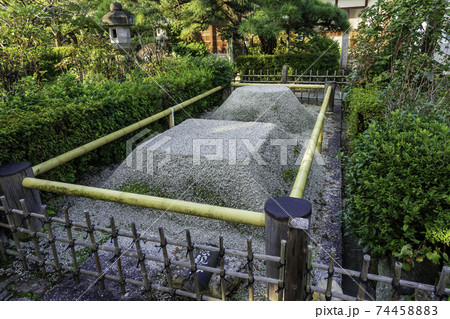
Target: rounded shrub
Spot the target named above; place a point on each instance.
(365, 105)
(398, 182)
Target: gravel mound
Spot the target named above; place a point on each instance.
(226, 163)
(266, 104)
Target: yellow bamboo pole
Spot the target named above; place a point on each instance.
(302, 176)
(165, 204)
(291, 86)
(86, 148)
(319, 141)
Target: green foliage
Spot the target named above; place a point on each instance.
(312, 44)
(300, 62)
(39, 122)
(289, 175)
(191, 49)
(47, 39)
(364, 106)
(302, 17)
(398, 189)
(398, 47)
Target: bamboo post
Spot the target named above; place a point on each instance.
(296, 259)
(51, 241)
(190, 250)
(171, 119)
(282, 271)
(278, 212)
(396, 280)
(94, 248)
(11, 176)
(308, 274)
(163, 243)
(3, 251)
(14, 231)
(443, 281)
(333, 90)
(141, 261)
(284, 74)
(34, 237)
(222, 267)
(117, 253)
(363, 278)
(68, 227)
(251, 278)
(328, 294)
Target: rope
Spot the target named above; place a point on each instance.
(71, 244)
(69, 224)
(140, 260)
(114, 235)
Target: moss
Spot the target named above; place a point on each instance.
(289, 175)
(208, 196)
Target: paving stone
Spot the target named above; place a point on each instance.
(31, 285)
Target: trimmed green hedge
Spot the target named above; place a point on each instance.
(397, 180)
(39, 122)
(300, 62)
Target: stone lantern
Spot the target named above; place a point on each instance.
(119, 23)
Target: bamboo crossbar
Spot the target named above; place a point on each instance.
(146, 257)
(155, 239)
(116, 278)
(165, 204)
(86, 148)
(291, 86)
(113, 231)
(378, 278)
(303, 172)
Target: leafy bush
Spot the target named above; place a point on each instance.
(398, 189)
(399, 46)
(300, 62)
(39, 122)
(192, 49)
(314, 43)
(364, 106)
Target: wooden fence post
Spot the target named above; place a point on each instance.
(344, 50)
(278, 212)
(11, 176)
(330, 107)
(284, 74)
(296, 258)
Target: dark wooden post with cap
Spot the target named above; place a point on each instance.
(11, 176)
(279, 210)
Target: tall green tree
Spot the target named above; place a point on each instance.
(192, 16)
(303, 17)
